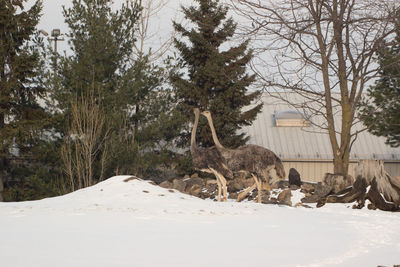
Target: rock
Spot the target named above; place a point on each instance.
(179, 185)
(265, 191)
(322, 190)
(194, 181)
(131, 178)
(235, 185)
(294, 177)
(211, 187)
(280, 184)
(310, 199)
(248, 182)
(195, 175)
(284, 197)
(294, 187)
(268, 200)
(233, 195)
(302, 205)
(166, 184)
(186, 176)
(338, 182)
(275, 186)
(253, 197)
(266, 187)
(307, 188)
(195, 190)
(204, 195)
(265, 199)
(211, 181)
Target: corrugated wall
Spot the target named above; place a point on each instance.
(311, 171)
(308, 149)
(393, 168)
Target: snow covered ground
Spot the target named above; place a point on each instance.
(134, 223)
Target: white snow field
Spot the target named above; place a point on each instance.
(135, 223)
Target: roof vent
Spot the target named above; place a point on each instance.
(291, 118)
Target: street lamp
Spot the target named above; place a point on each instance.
(55, 36)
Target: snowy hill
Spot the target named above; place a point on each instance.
(130, 222)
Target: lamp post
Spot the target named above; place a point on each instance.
(55, 36)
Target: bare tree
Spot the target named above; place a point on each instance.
(146, 35)
(86, 141)
(322, 50)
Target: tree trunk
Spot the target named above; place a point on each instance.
(372, 183)
(340, 165)
(342, 156)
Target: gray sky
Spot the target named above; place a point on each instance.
(53, 18)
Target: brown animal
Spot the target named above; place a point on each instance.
(209, 160)
(253, 159)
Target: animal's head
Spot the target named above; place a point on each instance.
(196, 111)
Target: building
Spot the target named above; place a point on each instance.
(294, 137)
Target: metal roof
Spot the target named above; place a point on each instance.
(309, 143)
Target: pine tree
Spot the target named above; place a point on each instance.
(216, 77)
(21, 117)
(93, 78)
(135, 108)
(102, 41)
(380, 112)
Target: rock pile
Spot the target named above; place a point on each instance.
(208, 189)
(281, 192)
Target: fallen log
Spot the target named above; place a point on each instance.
(372, 183)
(378, 201)
(358, 189)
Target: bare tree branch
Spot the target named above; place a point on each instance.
(86, 141)
(144, 35)
(322, 50)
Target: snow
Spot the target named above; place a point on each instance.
(135, 223)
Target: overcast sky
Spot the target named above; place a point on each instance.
(53, 18)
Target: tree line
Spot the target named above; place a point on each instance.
(108, 108)
(111, 107)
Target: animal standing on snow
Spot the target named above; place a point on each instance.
(209, 160)
(253, 159)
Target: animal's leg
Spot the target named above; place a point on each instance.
(217, 176)
(259, 186)
(242, 195)
(219, 189)
(267, 177)
(223, 183)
